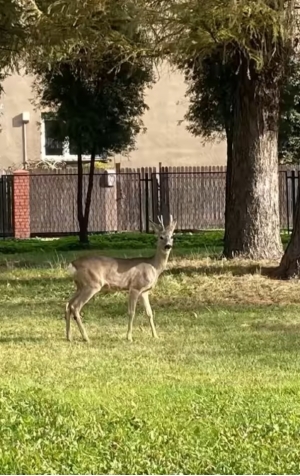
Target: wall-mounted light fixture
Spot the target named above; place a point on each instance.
(25, 120)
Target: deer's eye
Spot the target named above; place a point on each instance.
(161, 237)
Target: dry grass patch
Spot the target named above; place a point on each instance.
(229, 282)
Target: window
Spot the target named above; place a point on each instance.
(53, 149)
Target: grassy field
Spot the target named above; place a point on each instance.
(219, 392)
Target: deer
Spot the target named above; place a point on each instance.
(136, 275)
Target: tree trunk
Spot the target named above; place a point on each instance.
(83, 217)
(290, 263)
(252, 228)
(89, 193)
(83, 235)
(228, 178)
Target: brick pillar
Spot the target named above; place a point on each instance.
(22, 204)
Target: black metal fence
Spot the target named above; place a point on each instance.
(291, 194)
(116, 203)
(197, 199)
(6, 206)
(126, 201)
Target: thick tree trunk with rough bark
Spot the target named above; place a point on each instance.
(290, 263)
(252, 228)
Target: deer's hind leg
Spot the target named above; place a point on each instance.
(133, 298)
(81, 297)
(69, 312)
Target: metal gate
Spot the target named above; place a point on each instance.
(6, 206)
(290, 181)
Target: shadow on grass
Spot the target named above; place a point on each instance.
(37, 295)
(277, 327)
(20, 339)
(235, 332)
(212, 270)
(264, 344)
(54, 310)
(189, 270)
(32, 281)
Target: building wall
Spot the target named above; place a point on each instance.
(16, 99)
(165, 141)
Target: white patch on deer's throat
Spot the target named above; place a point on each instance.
(71, 269)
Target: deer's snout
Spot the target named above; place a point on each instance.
(168, 247)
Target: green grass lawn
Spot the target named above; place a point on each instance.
(219, 392)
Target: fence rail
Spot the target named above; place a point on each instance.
(115, 206)
(125, 200)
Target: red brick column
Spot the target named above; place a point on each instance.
(22, 204)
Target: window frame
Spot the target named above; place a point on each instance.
(66, 156)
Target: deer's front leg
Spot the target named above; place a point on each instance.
(146, 303)
(133, 298)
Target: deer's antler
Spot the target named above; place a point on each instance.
(161, 221)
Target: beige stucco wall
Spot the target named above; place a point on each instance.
(165, 141)
(15, 100)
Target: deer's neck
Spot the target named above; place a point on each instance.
(160, 260)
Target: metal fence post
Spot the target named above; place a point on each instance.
(147, 201)
(154, 186)
(287, 201)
